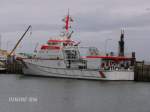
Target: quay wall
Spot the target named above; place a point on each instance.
(14, 67)
(142, 72)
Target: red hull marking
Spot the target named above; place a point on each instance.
(102, 74)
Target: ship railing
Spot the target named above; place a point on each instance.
(114, 54)
(129, 55)
(85, 51)
(71, 47)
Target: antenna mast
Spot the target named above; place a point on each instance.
(67, 20)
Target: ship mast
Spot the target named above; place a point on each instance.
(67, 28)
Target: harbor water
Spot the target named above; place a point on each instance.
(37, 94)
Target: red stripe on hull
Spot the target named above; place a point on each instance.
(102, 74)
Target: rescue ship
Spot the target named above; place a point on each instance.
(62, 57)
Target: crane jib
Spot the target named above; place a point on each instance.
(19, 40)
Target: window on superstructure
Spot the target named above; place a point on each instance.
(71, 54)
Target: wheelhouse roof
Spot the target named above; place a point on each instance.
(59, 41)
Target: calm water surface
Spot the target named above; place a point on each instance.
(68, 95)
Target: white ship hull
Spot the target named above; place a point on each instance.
(42, 68)
(62, 57)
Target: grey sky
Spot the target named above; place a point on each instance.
(95, 21)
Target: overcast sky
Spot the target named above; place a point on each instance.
(95, 21)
